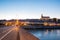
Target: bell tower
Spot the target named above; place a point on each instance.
(41, 15)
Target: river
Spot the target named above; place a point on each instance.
(46, 34)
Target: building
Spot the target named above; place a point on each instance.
(44, 17)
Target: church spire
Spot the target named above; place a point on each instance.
(41, 15)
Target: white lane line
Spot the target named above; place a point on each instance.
(5, 31)
(6, 34)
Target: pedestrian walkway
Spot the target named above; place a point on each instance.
(25, 35)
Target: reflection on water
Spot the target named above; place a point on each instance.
(47, 34)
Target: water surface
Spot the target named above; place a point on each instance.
(46, 34)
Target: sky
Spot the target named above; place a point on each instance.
(28, 9)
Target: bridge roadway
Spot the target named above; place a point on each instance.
(15, 33)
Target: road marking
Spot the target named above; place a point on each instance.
(5, 34)
(5, 31)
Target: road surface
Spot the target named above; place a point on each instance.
(8, 33)
(15, 33)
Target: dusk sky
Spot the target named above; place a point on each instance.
(25, 9)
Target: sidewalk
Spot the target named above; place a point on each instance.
(24, 35)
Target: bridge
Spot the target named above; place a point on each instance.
(15, 32)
